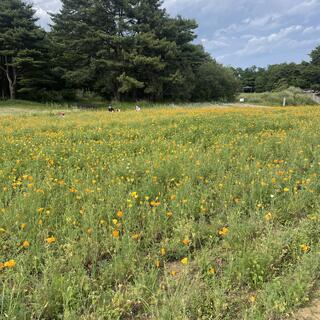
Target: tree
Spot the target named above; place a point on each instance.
(21, 45)
(315, 56)
(215, 82)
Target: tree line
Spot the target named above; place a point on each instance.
(305, 75)
(117, 49)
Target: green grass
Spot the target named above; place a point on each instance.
(235, 191)
(294, 97)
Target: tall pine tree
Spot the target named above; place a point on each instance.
(21, 48)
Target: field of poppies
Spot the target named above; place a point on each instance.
(182, 213)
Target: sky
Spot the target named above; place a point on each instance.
(242, 33)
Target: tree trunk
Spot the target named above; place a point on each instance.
(12, 78)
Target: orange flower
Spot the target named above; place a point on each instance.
(119, 214)
(224, 231)
(51, 240)
(9, 264)
(26, 244)
(115, 233)
(186, 242)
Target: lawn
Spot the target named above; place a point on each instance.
(185, 213)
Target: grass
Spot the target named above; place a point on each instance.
(178, 213)
(294, 97)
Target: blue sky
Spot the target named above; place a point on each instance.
(243, 32)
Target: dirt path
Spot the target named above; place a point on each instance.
(311, 311)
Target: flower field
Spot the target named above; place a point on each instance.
(209, 213)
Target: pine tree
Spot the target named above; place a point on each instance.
(21, 45)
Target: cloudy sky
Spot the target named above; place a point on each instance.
(243, 32)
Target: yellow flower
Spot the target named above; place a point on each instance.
(186, 242)
(23, 226)
(157, 263)
(115, 221)
(224, 231)
(305, 248)
(252, 299)
(2, 230)
(169, 214)
(115, 233)
(119, 214)
(136, 236)
(1, 265)
(51, 240)
(9, 264)
(185, 261)
(163, 251)
(268, 216)
(212, 271)
(155, 203)
(134, 194)
(173, 197)
(89, 231)
(286, 189)
(40, 210)
(26, 244)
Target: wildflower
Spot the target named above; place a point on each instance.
(103, 221)
(134, 195)
(173, 273)
(119, 214)
(155, 203)
(186, 242)
(157, 263)
(9, 264)
(212, 270)
(89, 231)
(169, 214)
(173, 197)
(23, 226)
(185, 261)
(224, 231)
(252, 299)
(115, 221)
(26, 244)
(40, 210)
(268, 216)
(286, 189)
(135, 236)
(163, 251)
(305, 248)
(51, 240)
(1, 265)
(115, 233)
(2, 230)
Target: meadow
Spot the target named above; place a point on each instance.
(181, 213)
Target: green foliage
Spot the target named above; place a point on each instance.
(129, 50)
(294, 97)
(282, 76)
(23, 52)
